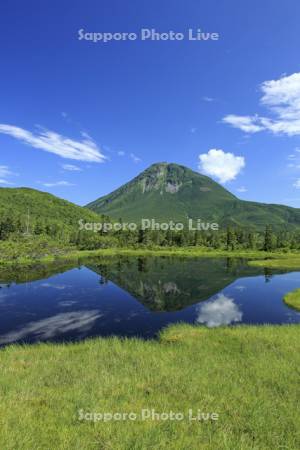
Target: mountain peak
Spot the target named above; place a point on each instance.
(168, 169)
(163, 190)
(166, 165)
(164, 177)
(159, 164)
(168, 191)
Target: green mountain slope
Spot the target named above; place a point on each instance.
(44, 209)
(172, 192)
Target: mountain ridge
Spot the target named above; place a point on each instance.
(169, 191)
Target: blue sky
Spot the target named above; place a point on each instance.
(79, 118)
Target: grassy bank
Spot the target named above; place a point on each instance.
(247, 375)
(278, 261)
(41, 251)
(292, 299)
(28, 253)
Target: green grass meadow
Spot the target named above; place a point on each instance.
(292, 299)
(249, 376)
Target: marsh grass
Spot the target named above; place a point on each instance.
(29, 254)
(248, 375)
(289, 261)
(292, 299)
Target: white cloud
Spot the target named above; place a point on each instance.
(245, 123)
(242, 189)
(222, 311)
(84, 150)
(5, 173)
(135, 158)
(297, 184)
(294, 160)
(121, 153)
(208, 99)
(282, 98)
(71, 168)
(57, 183)
(3, 181)
(224, 166)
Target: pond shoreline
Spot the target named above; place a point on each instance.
(257, 258)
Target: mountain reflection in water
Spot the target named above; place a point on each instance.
(138, 297)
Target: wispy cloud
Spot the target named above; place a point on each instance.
(294, 160)
(248, 124)
(242, 189)
(3, 181)
(223, 166)
(208, 99)
(50, 141)
(297, 184)
(57, 183)
(6, 173)
(131, 156)
(282, 99)
(71, 168)
(135, 158)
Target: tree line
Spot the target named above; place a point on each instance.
(13, 228)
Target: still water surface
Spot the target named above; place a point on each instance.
(138, 297)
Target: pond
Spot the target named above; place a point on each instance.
(138, 297)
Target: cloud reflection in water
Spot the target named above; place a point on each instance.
(221, 311)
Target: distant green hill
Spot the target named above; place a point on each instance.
(172, 192)
(45, 210)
